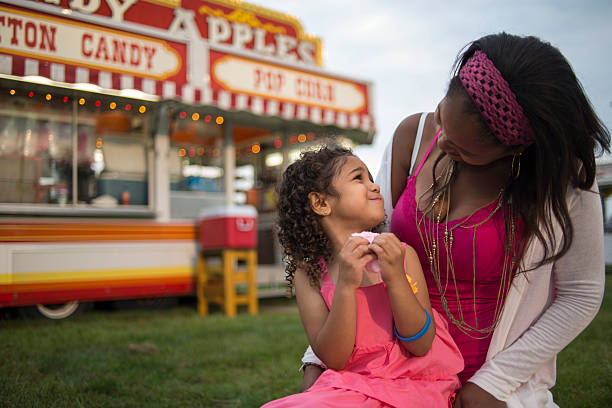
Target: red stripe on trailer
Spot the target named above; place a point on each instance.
(96, 294)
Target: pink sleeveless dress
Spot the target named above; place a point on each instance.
(477, 301)
(380, 372)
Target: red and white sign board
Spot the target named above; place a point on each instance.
(49, 38)
(257, 78)
(226, 53)
(242, 83)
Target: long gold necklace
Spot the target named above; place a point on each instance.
(430, 234)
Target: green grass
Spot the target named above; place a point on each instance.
(158, 358)
(175, 358)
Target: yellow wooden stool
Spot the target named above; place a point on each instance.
(219, 284)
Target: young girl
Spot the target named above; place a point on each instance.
(374, 330)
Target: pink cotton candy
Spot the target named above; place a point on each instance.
(372, 266)
(366, 234)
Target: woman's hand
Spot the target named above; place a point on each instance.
(352, 259)
(311, 373)
(472, 396)
(390, 252)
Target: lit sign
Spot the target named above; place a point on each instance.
(61, 40)
(251, 77)
(235, 23)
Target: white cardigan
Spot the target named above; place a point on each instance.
(545, 309)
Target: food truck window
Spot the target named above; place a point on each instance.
(35, 148)
(51, 137)
(195, 159)
(113, 166)
(261, 152)
(195, 164)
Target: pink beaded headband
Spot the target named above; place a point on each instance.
(496, 101)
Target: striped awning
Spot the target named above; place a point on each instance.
(19, 66)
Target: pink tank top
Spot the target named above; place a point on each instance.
(477, 301)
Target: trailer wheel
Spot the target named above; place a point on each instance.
(58, 311)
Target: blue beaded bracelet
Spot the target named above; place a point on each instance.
(419, 334)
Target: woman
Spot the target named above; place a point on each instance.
(496, 192)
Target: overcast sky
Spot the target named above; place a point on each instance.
(406, 48)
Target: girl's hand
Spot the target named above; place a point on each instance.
(352, 260)
(390, 253)
(472, 396)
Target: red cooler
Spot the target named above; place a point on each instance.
(228, 227)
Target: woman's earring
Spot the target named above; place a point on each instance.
(325, 212)
(516, 165)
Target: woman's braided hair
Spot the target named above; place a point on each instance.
(299, 228)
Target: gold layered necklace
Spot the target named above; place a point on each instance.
(437, 238)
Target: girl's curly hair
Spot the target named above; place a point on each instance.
(298, 227)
